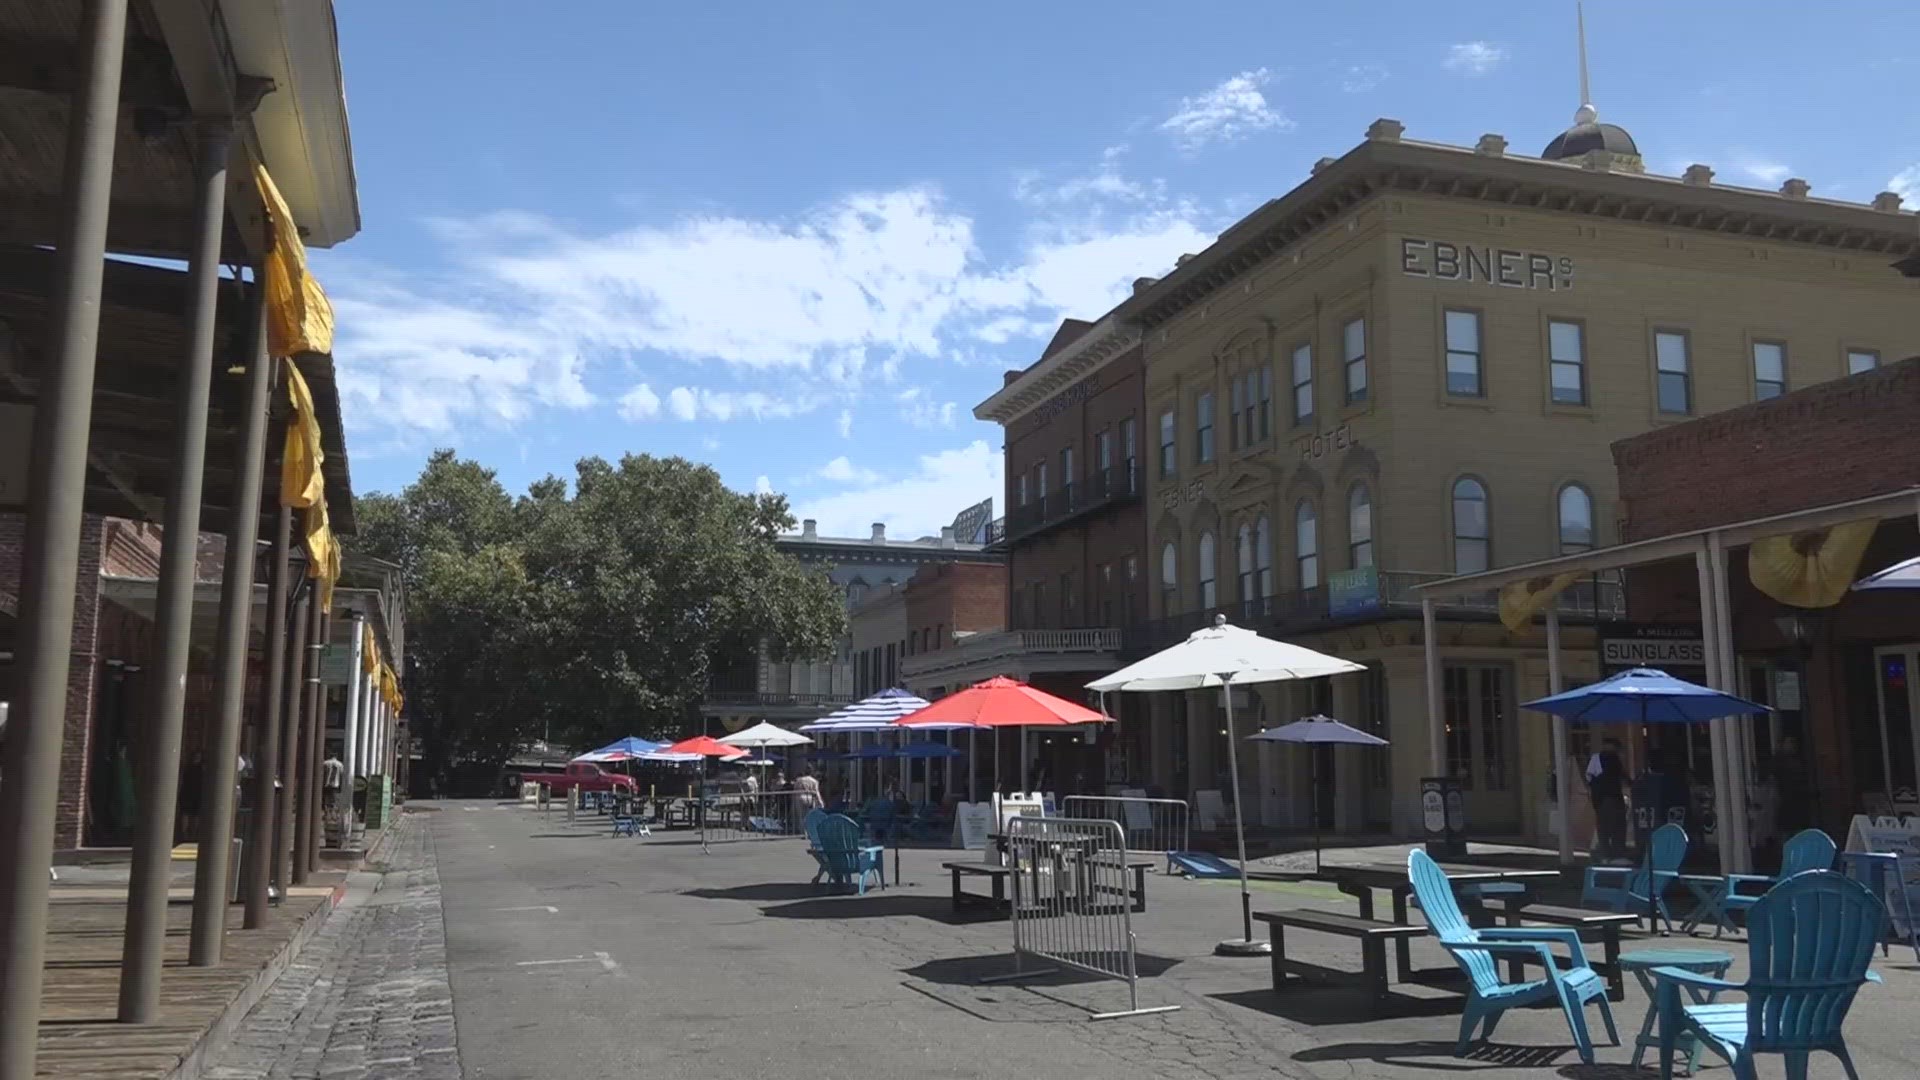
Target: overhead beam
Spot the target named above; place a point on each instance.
(46, 66)
(149, 230)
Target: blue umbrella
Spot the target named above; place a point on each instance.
(1901, 575)
(1319, 731)
(621, 750)
(927, 750)
(1645, 696)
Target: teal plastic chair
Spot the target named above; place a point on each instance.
(811, 823)
(848, 860)
(1475, 949)
(1640, 889)
(1808, 849)
(1809, 940)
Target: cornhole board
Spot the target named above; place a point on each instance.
(1199, 864)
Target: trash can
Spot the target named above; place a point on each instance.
(1443, 817)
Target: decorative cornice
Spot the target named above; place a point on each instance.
(1381, 166)
(1088, 353)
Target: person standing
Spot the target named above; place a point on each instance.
(1607, 787)
(809, 789)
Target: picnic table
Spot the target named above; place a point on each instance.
(1359, 880)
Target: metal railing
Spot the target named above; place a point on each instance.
(1003, 644)
(1102, 488)
(1150, 826)
(728, 817)
(752, 698)
(1073, 903)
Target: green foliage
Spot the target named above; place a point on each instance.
(585, 616)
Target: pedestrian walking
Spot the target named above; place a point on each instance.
(1607, 787)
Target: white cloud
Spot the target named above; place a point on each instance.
(683, 403)
(1360, 78)
(762, 485)
(918, 408)
(1906, 184)
(1227, 112)
(640, 403)
(842, 470)
(845, 425)
(916, 503)
(525, 314)
(1474, 58)
(1106, 184)
(1762, 170)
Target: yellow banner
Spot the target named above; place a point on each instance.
(299, 317)
(1522, 600)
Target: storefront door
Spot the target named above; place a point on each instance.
(1899, 701)
(1481, 744)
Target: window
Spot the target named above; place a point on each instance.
(1463, 354)
(1023, 489)
(1129, 603)
(1169, 578)
(1203, 427)
(1769, 370)
(1673, 372)
(1066, 472)
(1859, 360)
(1129, 452)
(1105, 570)
(1040, 481)
(1252, 402)
(1263, 558)
(1236, 411)
(1103, 450)
(1039, 602)
(1567, 356)
(939, 636)
(1262, 389)
(1243, 562)
(1208, 596)
(1576, 519)
(1470, 540)
(1353, 344)
(1359, 528)
(1302, 384)
(1066, 601)
(1306, 544)
(1169, 450)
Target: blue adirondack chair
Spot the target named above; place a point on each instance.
(1809, 940)
(1640, 889)
(848, 859)
(811, 823)
(1475, 949)
(1808, 849)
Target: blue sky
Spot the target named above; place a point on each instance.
(802, 242)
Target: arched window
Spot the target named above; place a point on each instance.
(1306, 544)
(1207, 594)
(1359, 528)
(1169, 578)
(1263, 558)
(1243, 564)
(1576, 519)
(1470, 535)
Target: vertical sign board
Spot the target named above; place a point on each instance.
(1899, 836)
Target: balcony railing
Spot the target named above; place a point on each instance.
(1007, 644)
(1101, 488)
(772, 699)
(1361, 596)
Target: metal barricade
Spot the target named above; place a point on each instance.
(1073, 903)
(1151, 826)
(728, 816)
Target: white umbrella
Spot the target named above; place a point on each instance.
(1901, 575)
(765, 734)
(1227, 656)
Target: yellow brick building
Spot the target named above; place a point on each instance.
(1413, 364)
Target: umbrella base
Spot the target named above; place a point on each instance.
(1243, 947)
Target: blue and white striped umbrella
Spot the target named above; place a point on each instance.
(876, 713)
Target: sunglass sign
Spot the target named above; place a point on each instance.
(1492, 266)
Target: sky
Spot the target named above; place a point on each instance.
(802, 242)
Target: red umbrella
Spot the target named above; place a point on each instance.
(704, 746)
(1002, 702)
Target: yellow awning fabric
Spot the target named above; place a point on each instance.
(299, 318)
(323, 553)
(369, 649)
(1810, 569)
(1522, 600)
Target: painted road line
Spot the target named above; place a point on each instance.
(548, 908)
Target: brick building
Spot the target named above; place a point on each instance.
(948, 603)
(1842, 678)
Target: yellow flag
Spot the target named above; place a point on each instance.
(1522, 600)
(299, 318)
(1812, 569)
(301, 482)
(369, 649)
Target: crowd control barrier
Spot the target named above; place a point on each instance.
(1156, 827)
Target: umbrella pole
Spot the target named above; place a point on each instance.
(973, 767)
(1245, 945)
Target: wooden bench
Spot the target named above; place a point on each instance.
(1139, 867)
(1372, 935)
(1603, 926)
(963, 899)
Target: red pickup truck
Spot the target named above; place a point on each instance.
(582, 776)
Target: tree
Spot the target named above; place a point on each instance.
(587, 615)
